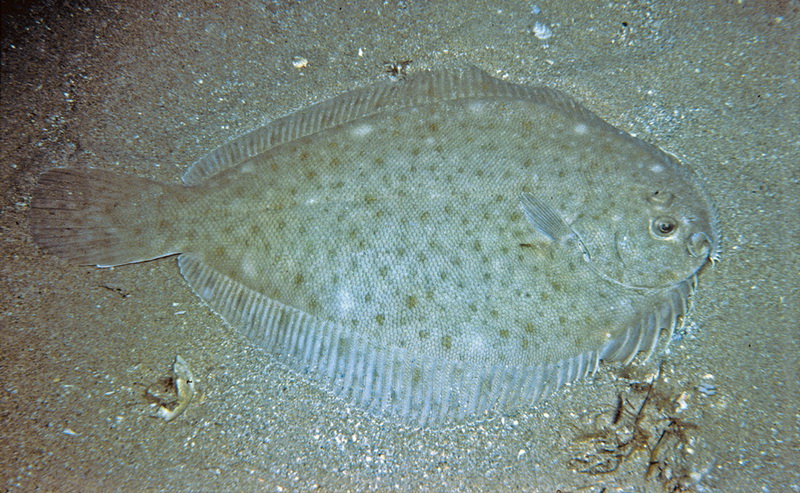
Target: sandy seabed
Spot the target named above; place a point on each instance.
(149, 89)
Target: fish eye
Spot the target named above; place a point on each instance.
(664, 227)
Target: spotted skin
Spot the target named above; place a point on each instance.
(379, 242)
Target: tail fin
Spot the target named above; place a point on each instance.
(96, 217)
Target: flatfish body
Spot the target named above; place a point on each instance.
(433, 250)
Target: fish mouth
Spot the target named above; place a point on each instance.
(699, 245)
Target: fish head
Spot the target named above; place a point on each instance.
(660, 234)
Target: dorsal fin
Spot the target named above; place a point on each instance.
(418, 90)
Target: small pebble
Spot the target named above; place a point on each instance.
(707, 389)
(542, 31)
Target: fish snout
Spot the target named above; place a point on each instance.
(699, 245)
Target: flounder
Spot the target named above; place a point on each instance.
(433, 250)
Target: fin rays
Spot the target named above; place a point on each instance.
(418, 90)
(418, 390)
(644, 334)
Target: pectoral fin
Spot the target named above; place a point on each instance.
(551, 224)
(545, 219)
